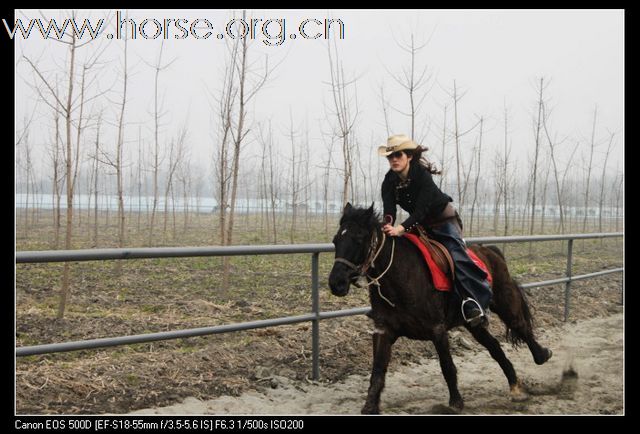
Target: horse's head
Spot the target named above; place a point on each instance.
(352, 243)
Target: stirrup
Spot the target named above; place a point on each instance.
(475, 320)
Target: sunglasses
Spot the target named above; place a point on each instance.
(397, 154)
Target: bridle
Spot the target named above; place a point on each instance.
(372, 255)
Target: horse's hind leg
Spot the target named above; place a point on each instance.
(484, 337)
(513, 309)
(540, 354)
(441, 342)
(510, 304)
(382, 343)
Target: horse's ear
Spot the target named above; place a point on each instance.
(369, 211)
(347, 207)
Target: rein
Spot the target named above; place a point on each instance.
(369, 263)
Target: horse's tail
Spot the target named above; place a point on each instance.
(497, 250)
(513, 308)
(518, 332)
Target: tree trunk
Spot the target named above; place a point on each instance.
(64, 293)
(588, 183)
(535, 163)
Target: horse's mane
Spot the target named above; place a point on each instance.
(366, 217)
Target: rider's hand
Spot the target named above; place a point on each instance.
(393, 231)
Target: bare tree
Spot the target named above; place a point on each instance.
(119, 147)
(504, 177)
(384, 103)
(555, 170)
(365, 166)
(325, 185)
(477, 177)
(413, 81)
(176, 155)
(346, 113)
(294, 182)
(222, 161)
(307, 183)
(545, 184)
(538, 129)
(155, 154)
(138, 182)
(270, 178)
(567, 185)
(116, 162)
(456, 98)
(199, 178)
(27, 166)
(95, 181)
(618, 195)
(374, 168)
(498, 190)
(71, 108)
(237, 92)
(602, 180)
(24, 161)
(560, 180)
(184, 177)
(58, 176)
(273, 187)
(444, 142)
(461, 183)
(590, 165)
(467, 175)
(246, 92)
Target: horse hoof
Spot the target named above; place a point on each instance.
(369, 409)
(444, 409)
(457, 404)
(518, 392)
(547, 356)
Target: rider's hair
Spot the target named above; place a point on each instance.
(418, 158)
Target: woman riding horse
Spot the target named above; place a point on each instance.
(405, 302)
(409, 183)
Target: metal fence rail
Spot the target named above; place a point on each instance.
(315, 316)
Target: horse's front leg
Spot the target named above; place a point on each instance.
(441, 342)
(482, 335)
(382, 343)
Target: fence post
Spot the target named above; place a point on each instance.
(315, 324)
(567, 285)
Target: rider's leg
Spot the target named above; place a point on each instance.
(470, 280)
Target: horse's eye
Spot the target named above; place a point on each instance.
(343, 232)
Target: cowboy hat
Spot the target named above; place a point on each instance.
(399, 142)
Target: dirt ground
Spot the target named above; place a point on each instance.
(268, 371)
(585, 376)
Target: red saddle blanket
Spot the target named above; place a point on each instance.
(441, 281)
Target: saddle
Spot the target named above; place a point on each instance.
(438, 251)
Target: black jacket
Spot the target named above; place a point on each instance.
(418, 195)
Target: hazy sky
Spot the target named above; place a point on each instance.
(495, 56)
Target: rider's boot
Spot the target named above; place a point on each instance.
(472, 312)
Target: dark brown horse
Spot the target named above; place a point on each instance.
(404, 302)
